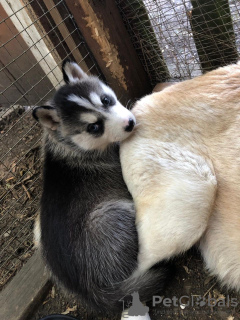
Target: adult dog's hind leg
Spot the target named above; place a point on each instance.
(174, 192)
(220, 245)
(174, 221)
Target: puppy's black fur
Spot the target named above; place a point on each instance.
(88, 234)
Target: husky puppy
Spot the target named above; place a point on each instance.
(87, 227)
(182, 167)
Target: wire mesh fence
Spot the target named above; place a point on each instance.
(175, 40)
(180, 39)
(36, 35)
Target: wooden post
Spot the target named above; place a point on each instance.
(213, 33)
(149, 47)
(105, 34)
(26, 290)
(65, 33)
(59, 33)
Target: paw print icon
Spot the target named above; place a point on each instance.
(201, 301)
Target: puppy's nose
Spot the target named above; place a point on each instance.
(130, 126)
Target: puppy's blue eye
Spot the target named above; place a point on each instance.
(93, 128)
(106, 101)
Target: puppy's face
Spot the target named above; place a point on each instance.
(85, 113)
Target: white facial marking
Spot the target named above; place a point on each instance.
(88, 117)
(95, 99)
(108, 91)
(121, 114)
(117, 120)
(82, 102)
(88, 142)
(114, 129)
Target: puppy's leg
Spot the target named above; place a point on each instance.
(37, 232)
(174, 191)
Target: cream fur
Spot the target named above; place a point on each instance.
(182, 167)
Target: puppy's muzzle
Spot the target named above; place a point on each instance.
(130, 126)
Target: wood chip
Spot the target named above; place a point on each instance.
(26, 190)
(24, 180)
(208, 279)
(68, 310)
(44, 302)
(186, 269)
(209, 289)
(109, 63)
(9, 179)
(53, 292)
(217, 295)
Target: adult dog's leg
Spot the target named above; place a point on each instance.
(174, 192)
(220, 245)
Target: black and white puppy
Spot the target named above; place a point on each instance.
(86, 229)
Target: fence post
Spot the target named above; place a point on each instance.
(149, 47)
(213, 33)
(105, 34)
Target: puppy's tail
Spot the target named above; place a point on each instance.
(147, 285)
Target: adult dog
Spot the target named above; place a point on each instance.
(182, 167)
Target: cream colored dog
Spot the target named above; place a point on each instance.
(182, 167)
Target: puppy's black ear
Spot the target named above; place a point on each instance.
(72, 72)
(47, 116)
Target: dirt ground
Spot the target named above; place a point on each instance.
(190, 283)
(20, 189)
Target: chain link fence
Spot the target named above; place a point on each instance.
(36, 35)
(180, 39)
